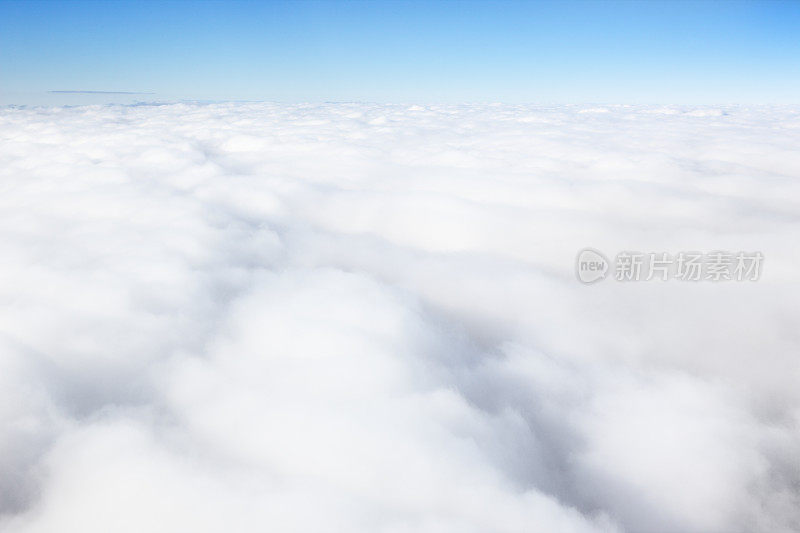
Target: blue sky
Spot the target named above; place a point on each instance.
(638, 52)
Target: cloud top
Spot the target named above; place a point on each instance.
(353, 317)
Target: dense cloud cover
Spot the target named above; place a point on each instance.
(358, 318)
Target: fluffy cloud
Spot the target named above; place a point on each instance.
(353, 317)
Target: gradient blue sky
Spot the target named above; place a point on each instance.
(638, 52)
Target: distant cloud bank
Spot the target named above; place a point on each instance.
(98, 92)
(364, 318)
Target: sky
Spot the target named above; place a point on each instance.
(517, 52)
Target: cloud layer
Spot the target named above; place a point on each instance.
(351, 317)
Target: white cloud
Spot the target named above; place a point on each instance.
(353, 317)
